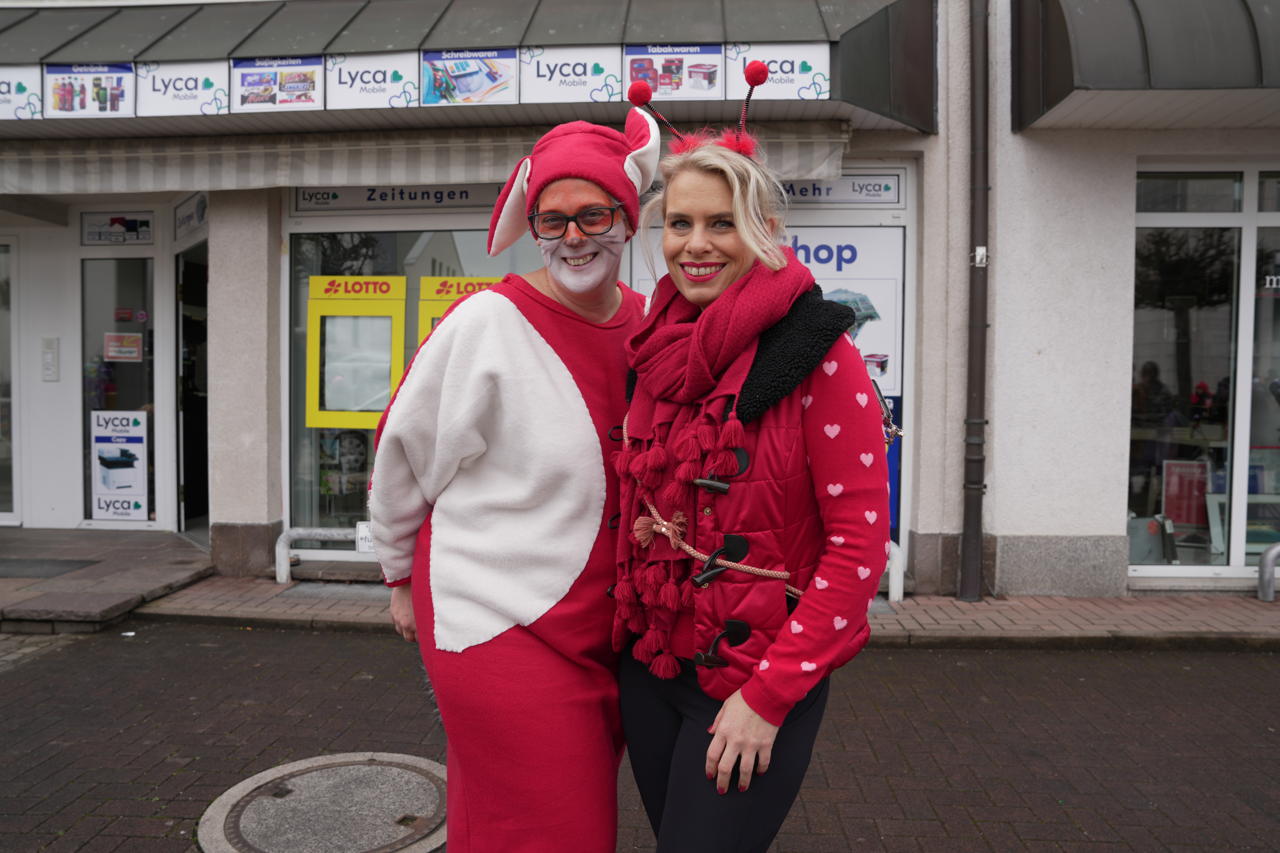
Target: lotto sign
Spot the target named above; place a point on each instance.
(800, 70)
(677, 72)
(470, 77)
(371, 81)
(357, 287)
(20, 92)
(277, 85)
(183, 88)
(89, 91)
(437, 293)
(118, 454)
(557, 75)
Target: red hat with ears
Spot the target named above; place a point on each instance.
(621, 164)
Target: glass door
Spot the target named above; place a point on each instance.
(8, 484)
(117, 299)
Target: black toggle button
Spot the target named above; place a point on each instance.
(609, 591)
(615, 433)
(735, 632)
(734, 550)
(613, 521)
(712, 485)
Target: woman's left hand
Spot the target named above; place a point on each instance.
(742, 738)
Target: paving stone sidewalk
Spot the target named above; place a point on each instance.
(1148, 621)
(118, 743)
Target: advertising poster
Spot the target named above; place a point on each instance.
(122, 346)
(371, 81)
(1184, 485)
(862, 268)
(872, 190)
(89, 91)
(395, 197)
(112, 228)
(20, 92)
(470, 77)
(677, 72)
(190, 216)
(437, 293)
(560, 75)
(183, 88)
(118, 454)
(277, 84)
(801, 70)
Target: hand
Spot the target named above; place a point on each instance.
(742, 738)
(402, 611)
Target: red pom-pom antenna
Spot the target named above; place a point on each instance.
(640, 95)
(756, 73)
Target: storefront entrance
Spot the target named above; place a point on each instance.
(192, 275)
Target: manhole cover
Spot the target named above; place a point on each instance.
(350, 803)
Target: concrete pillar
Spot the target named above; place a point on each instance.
(245, 439)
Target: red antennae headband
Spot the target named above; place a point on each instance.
(735, 139)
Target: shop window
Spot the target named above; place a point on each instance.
(1189, 192)
(1269, 192)
(1183, 370)
(6, 387)
(1263, 516)
(352, 353)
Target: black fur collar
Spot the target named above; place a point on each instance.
(790, 350)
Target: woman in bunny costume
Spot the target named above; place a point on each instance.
(495, 512)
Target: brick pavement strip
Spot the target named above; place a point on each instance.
(119, 743)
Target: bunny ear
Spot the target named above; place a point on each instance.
(510, 214)
(642, 163)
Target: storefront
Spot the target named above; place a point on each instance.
(240, 239)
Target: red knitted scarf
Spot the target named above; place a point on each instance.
(690, 366)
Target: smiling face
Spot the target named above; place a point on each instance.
(577, 262)
(704, 250)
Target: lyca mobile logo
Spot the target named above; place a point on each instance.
(356, 287)
(165, 86)
(368, 77)
(117, 504)
(8, 87)
(115, 421)
(567, 73)
(782, 71)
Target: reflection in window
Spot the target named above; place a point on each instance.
(355, 367)
(1269, 192)
(1189, 192)
(1183, 365)
(1263, 517)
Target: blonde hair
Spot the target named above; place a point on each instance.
(756, 192)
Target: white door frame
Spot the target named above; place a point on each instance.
(14, 518)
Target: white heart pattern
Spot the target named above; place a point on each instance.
(867, 459)
(837, 540)
(820, 583)
(796, 627)
(861, 398)
(829, 367)
(834, 489)
(808, 666)
(764, 664)
(806, 400)
(832, 430)
(840, 623)
(863, 573)
(871, 516)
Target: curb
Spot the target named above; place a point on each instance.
(1242, 641)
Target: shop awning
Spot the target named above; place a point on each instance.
(1146, 64)
(883, 69)
(446, 156)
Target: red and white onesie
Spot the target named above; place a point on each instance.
(492, 493)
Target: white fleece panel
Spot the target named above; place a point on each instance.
(490, 434)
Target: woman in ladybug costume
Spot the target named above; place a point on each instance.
(754, 488)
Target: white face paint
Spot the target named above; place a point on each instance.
(579, 263)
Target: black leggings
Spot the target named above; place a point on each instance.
(666, 723)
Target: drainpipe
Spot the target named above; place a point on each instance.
(970, 586)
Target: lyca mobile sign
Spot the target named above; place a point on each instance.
(395, 197)
(183, 88)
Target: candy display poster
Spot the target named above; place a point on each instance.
(280, 84)
(116, 228)
(89, 91)
(677, 72)
(470, 77)
(797, 70)
(183, 88)
(20, 92)
(371, 81)
(559, 75)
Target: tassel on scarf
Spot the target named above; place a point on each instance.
(732, 434)
(649, 645)
(624, 592)
(676, 493)
(687, 472)
(665, 665)
(622, 462)
(642, 531)
(656, 460)
(706, 436)
(723, 463)
(686, 594)
(669, 596)
(686, 447)
(636, 622)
